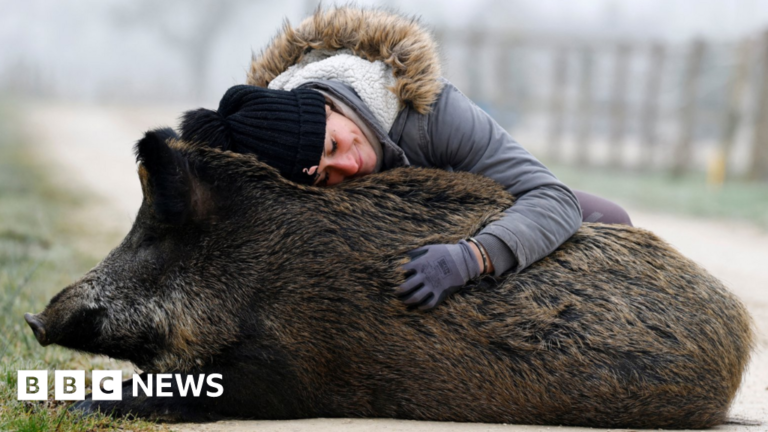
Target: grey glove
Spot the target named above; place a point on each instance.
(435, 272)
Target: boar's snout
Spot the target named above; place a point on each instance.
(38, 328)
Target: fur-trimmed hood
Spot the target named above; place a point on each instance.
(400, 42)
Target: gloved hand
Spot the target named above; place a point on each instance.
(435, 272)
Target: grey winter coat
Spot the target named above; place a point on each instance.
(437, 126)
(458, 136)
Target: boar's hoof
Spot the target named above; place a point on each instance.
(88, 407)
(37, 327)
(83, 408)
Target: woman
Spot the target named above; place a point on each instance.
(353, 92)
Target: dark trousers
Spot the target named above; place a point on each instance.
(596, 209)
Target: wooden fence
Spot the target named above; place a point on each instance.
(685, 106)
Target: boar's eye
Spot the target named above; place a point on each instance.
(148, 240)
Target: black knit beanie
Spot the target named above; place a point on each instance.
(285, 129)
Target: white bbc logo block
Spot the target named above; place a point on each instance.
(33, 385)
(69, 384)
(107, 384)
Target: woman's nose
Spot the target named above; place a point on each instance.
(344, 165)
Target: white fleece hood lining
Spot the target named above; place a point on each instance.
(370, 80)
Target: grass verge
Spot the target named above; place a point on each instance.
(40, 253)
(689, 195)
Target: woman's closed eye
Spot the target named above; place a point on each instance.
(334, 146)
(324, 175)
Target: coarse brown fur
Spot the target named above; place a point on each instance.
(288, 292)
(398, 41)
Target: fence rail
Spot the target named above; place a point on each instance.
(644, 105)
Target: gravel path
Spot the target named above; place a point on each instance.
(93, 147)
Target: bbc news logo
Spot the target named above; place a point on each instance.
(108, 385)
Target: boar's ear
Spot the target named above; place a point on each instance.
(167, 179)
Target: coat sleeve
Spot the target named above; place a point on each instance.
(546, 213)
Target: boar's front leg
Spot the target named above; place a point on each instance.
(173, 408)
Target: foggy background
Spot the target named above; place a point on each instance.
(672, 85)
(658, 105)
(191, 51)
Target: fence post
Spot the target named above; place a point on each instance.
(504, 92)
(585, 107)
(618, 104)
(438, 33)
(682, 156)
(557, 106)
(474, 63)
(650, 108)
(732, 112)
(758, 170)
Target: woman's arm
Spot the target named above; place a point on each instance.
(460, 136)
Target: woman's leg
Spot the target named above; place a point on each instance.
(596, 209)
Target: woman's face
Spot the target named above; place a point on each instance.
(347, 153)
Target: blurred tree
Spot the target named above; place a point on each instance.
(190, 26)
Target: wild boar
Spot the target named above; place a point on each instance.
(288, 292)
